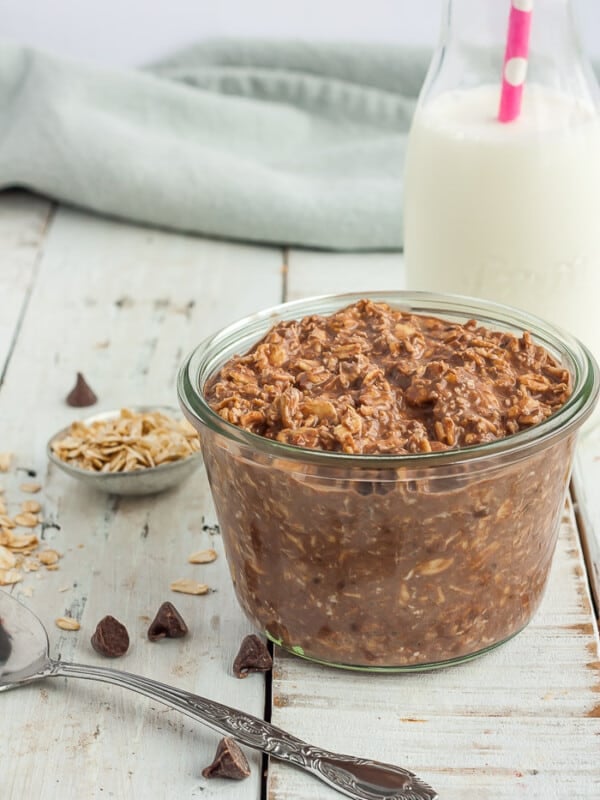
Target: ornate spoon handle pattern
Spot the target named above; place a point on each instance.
(358, 778)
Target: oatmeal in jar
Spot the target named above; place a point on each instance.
(374, 509)
(372, 379)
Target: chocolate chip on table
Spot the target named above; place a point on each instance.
(110, 638)
(253, 656)
(168, 623)
(229, 762)
(81, 394)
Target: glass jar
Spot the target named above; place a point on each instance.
(389, 562)
(508, 211)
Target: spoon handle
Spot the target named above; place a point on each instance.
(358, 778)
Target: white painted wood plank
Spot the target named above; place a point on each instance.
(124, 304)
(312, 273)
(24, 220)
(524, 718)
(499, 760)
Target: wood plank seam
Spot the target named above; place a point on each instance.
(589, 550)
(267, 715)
(34, 272)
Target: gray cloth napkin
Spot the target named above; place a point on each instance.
(282, 142)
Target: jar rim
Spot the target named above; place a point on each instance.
(238, 337)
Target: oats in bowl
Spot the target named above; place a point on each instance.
(137, 450)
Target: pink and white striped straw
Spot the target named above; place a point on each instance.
(515, 60)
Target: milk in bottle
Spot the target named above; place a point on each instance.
(509, 211)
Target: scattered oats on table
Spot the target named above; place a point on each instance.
(31, 488)
(7, 558)
(128, 442)
(26, 520)
(67, 624)
(203, 556)
(48, 557)
(21, 553)
(10, 576)
(187, 586)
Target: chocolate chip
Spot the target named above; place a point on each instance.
(252, 656)
(81, 395)
(168, 623)
(229, 762)
(110, 638)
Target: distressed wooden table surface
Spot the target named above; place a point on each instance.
(124, 304)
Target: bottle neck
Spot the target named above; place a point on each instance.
(486, 21)
(473, 41)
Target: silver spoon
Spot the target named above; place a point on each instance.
(24, 657)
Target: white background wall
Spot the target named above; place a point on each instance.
(136, 31)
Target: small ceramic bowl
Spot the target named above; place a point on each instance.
(149, 480)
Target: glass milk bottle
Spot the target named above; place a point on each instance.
(509, 211)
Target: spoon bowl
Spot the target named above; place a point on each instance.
(23, 644)
(25, 657)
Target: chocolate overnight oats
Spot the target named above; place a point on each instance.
(374, 509)
(373, 379)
